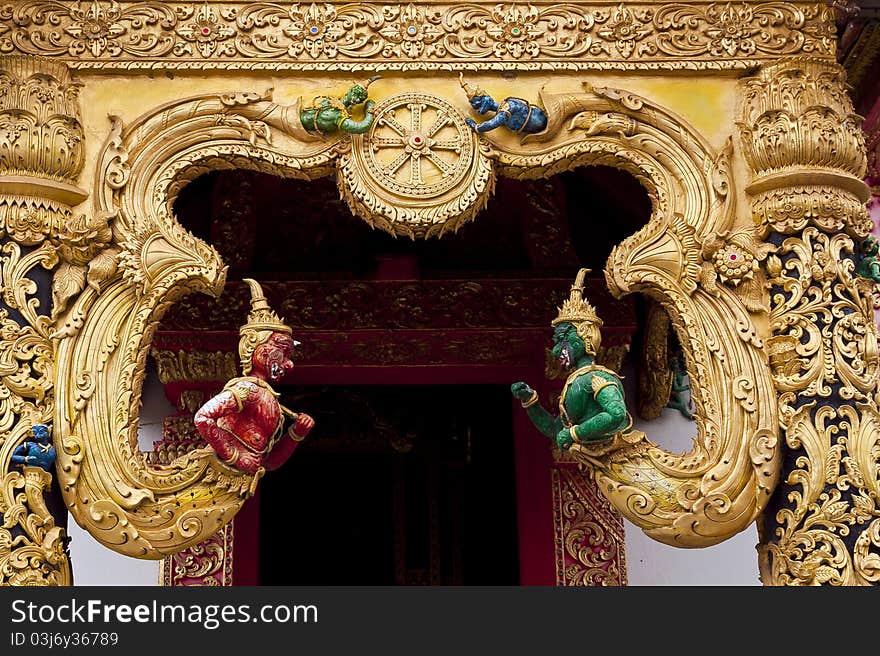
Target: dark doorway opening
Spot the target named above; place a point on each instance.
(437, 329)
(396, 485)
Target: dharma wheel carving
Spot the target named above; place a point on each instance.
(419, 171)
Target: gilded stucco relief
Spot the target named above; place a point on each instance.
(753, 165)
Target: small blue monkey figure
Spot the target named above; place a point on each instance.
(38, 452)
(514, 114)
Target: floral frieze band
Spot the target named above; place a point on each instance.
(111, 35)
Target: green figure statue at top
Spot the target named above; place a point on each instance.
(591, 406)
(327, 115)
(869, 266)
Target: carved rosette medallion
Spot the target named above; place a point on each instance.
(419, 171)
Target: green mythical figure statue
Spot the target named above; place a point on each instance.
(679, 395)
(869, 264)
(327, 115)
(591, 406)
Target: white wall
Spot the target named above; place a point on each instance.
(95, 564)
(648, 562)
(733, 562)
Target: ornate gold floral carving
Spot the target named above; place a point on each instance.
(208, 563)
(720, 487)
(40, 155)
(589, 536)
(137, 509)
(734, 260)
(820, 526)
(828, 375)
(793, 208)
(39, 120)
(693, 499)
(195, 366)
(125, 35)
(37, 556)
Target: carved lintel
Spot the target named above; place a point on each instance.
(376, 36)
(195, 366)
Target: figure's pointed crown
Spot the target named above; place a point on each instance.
(262, 317)
(366, 85)
(471, 90)
(575, 310)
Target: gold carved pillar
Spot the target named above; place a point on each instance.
(807, 154)
(41, 155)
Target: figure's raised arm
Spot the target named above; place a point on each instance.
(545, 422)
(500, 119)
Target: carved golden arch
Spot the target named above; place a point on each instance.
(689, 500)
(720, 487)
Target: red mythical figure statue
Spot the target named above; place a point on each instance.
(243, 422)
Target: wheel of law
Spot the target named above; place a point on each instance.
(419, 170)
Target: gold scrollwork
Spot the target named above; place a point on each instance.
(702, 497)
(41, 153)
(807, 154)
(694, 499)
(102, 338)
(126, 35)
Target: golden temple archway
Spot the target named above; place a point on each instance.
(734, 119)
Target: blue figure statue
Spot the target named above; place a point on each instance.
(38, 452)
(515, 114)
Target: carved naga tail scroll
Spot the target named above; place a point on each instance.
(109, 298)
(690, 258)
